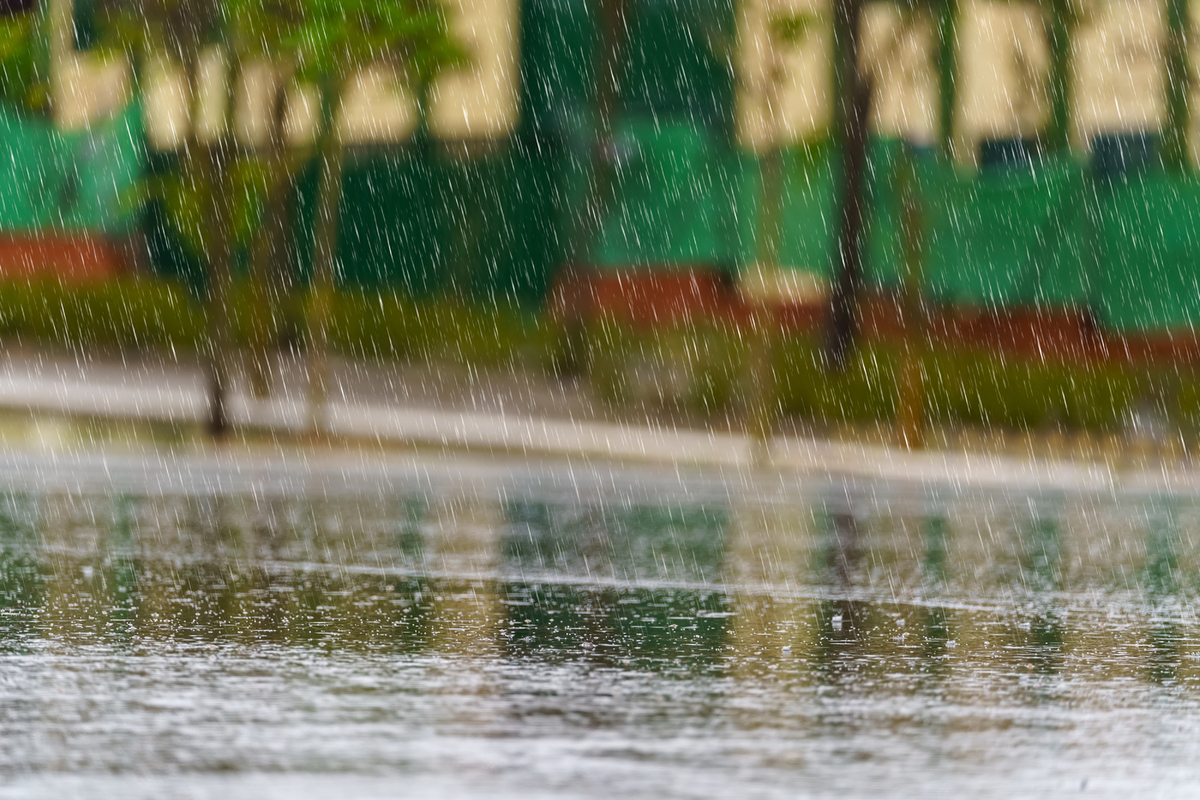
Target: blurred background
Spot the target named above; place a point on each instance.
(919, 221)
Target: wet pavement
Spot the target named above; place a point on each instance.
(611, 633)
(79, 405)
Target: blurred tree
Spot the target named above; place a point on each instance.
(24, 62)
(261, 29)
(182, 33)
(334, 40)
(854, 93)
(269, 247)
(195, 35)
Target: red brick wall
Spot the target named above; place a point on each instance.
(71, 257)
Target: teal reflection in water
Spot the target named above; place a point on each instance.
(624, 542)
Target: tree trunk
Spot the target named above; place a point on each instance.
(764, 332)
(614, 15)
(216, 156)
(947, 24)
(764, 326)
(268, 250)
(325, 236)
(588, 223)
(269, 254)
(843, 312)
(211, 161)
(1060, 28)
(910, 411)
(1175, 145)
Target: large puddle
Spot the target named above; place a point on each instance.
(551, 638)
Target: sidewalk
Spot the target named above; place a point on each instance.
(419, 406)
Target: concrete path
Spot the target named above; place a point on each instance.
(509, 415)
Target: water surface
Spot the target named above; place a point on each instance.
(595, 633)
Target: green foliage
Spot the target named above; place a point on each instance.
(253, 178)
(334, 38)
(150, 313)
(179, 29)
(695, 367)
(793, 27)
(184, 201)
(122, 313)
(258, 28)
(609, 345)
(184, 196)
(702, 367)
(172, 29)
(24, 83)
(865, 391)
(990, 389)
(392, 326)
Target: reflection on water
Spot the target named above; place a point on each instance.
(847, 641)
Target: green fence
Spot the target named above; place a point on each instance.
(51, 180)
(674, 189)
(1045, 235)
(1007, 236)
(807, 203)
(1147, 246)
(416, 219)
(424, 221)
